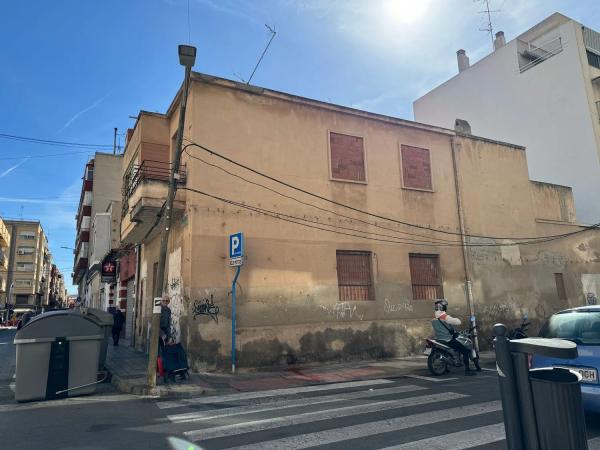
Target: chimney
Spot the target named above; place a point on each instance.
(462, 59)
(499, 41)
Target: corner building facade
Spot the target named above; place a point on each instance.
(336, 283)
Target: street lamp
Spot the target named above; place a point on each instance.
(187, 58)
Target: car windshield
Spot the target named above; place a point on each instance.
(582, 327)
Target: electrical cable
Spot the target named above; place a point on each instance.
(51, 142)
(535, 238)
(299, 221)
(374, 224)
(50, 155)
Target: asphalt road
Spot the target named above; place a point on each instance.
(410, 412)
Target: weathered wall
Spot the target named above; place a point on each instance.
(288, 307)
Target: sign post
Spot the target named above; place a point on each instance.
(236, 259)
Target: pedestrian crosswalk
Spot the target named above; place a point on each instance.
(407, 414)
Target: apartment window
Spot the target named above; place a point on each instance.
(347, 156)
(593, 59)
(21, 299)
(22, 283)
(425, 276)
(560, 286)
(24, 267)
(355, 277)
(416, 168)
(24, 250)
(27, 235)
(89, 176)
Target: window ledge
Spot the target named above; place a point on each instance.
(417, 189)
(341, 180)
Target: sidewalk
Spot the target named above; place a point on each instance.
(128, 368)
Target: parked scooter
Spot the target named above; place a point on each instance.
(441, 356)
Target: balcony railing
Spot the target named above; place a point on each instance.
(148, 170)
(533, 53)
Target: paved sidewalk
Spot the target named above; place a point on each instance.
(128, 368)
(7, 364)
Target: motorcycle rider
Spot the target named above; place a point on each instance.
(443, 325)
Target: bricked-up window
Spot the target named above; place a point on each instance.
(355, 277)
(425, 276)
(347, 157)
(560, 286)
(416, 168)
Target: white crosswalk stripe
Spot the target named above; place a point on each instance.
(373, 428)
(270, 393)
(457, 441)
(275, 405)
(334, 413)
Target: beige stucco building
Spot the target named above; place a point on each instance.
(29, 264)
(323, 281)
(4, 255)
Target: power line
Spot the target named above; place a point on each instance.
(51, 142)
(352, 208)
(302, 221)
(374, 224)
(44, 156)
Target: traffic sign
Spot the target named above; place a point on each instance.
(236, 245)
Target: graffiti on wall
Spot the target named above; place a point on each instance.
(206, 307)
(174, 290)
(389, 307)
(343, 311)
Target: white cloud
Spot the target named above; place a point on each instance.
(230, 8)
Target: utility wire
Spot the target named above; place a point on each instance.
(302, 221)
(424, 227)
(374, 224)
(44, 156)
(51, 142)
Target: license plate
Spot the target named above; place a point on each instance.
(427, 351)
(588, 375)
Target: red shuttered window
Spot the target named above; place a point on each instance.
(425, 276)
(355, 277)
(416, 168)
(347, 157)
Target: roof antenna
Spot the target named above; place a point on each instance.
(487, 11)
(273, 33)
(189, 27)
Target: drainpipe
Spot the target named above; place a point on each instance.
(463, 238)
(138, 283)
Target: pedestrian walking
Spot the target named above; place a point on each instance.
(165, 318)
(118, 320)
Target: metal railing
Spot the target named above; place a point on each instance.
(148, 170)
(535, 53)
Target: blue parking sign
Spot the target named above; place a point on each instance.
(236, 245)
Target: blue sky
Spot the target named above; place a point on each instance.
(74, 70)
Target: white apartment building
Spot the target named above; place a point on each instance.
(540, 90)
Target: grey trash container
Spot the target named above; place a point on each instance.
(558, 408)
(105, 321)
(57, 356)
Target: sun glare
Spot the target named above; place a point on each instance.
(405, 11)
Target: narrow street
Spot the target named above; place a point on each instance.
(408, 412)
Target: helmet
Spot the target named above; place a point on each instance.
(441, 305)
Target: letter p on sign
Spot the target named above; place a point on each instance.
(236, 245)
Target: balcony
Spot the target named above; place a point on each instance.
(537, 51)
(145, 188)
(80, 264)
(4, 235)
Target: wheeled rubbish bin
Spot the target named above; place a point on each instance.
(57, 356)
(105, 321)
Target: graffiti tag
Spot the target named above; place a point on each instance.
(343, 310)
(206, 307)
(389, 307)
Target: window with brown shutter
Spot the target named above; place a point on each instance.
(560, 286)
(416, 168)
(355, 278)
(347, 157)
(425, 276)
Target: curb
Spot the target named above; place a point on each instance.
(138, 386)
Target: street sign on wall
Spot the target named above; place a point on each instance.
(236, 249)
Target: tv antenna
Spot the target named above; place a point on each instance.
(273, 33)
(488, 28)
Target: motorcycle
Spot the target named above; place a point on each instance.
(440, 356)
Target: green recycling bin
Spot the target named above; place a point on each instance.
(57, 356)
